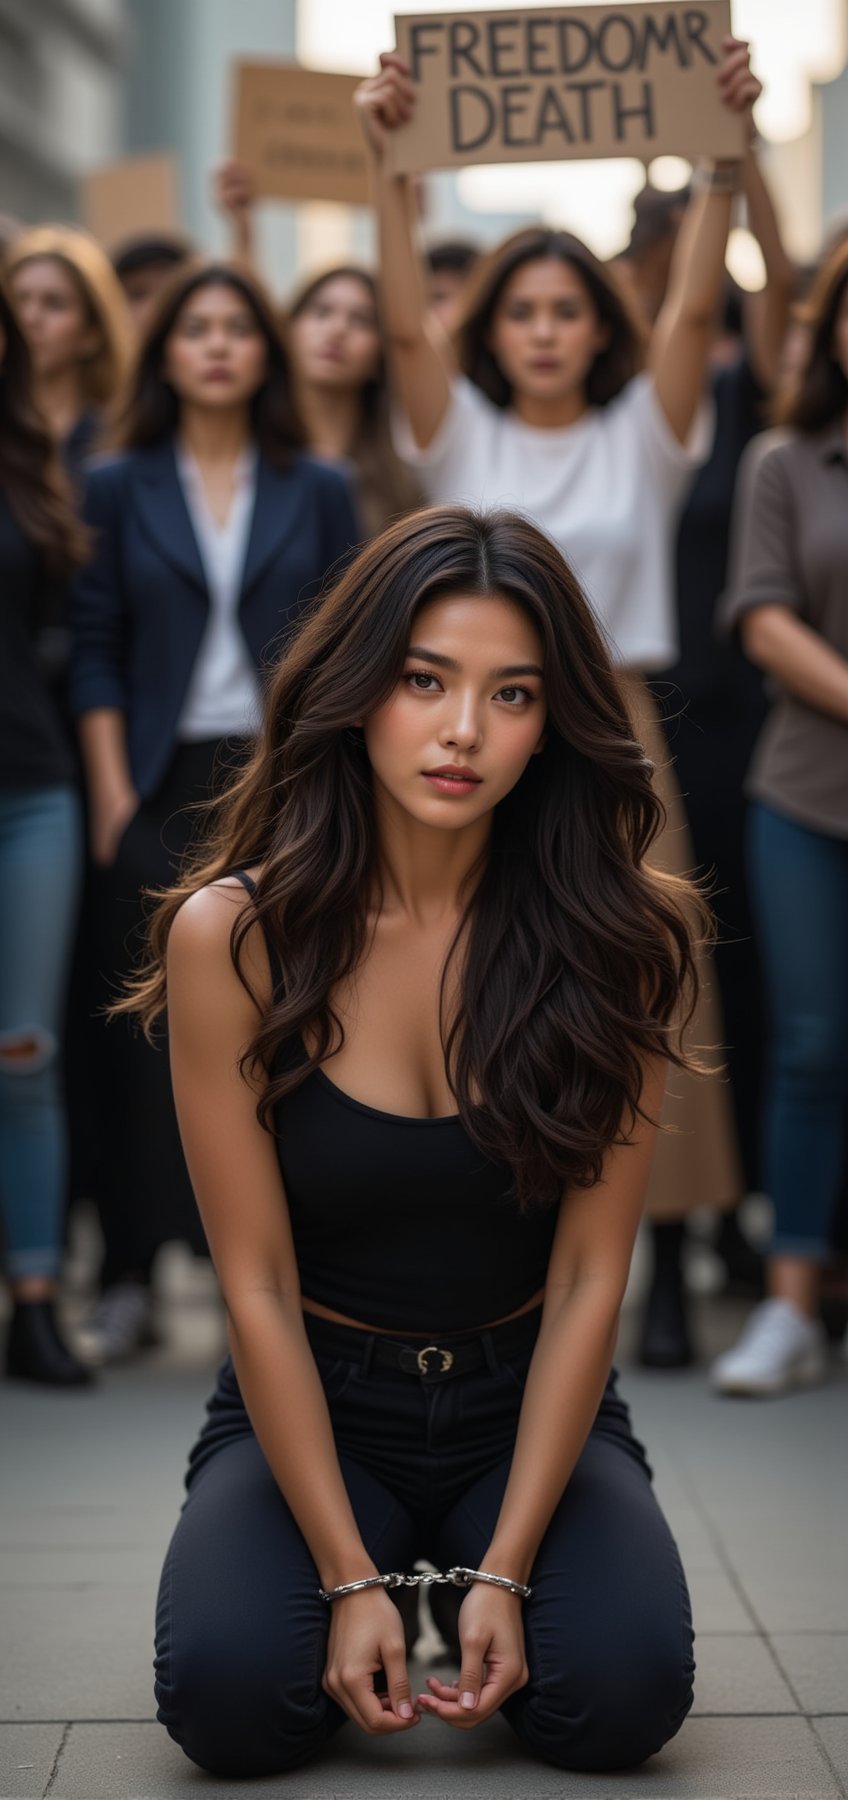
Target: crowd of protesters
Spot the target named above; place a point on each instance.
(182, 465)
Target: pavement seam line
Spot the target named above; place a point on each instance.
(824, 1751)
(51, 1780)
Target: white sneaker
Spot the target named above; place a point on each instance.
(780, 1348)
(120, 1325)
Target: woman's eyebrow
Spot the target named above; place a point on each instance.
(448, 662)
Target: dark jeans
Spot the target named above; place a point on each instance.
(40, 859)
(242, 1634)
(800, 885)
(144, 1193)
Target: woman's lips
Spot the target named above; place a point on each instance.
(452, 784)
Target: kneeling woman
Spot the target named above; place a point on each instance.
(420, 996)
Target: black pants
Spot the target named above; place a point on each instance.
(242, 1634)
(144, 1194)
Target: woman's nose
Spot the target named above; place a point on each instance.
(463, 726)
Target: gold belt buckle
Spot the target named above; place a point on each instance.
(434, 1350)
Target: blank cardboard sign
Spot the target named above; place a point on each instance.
(565, 82)
(141, 194)
(296, 131)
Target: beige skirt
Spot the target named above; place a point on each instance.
(697, 1161)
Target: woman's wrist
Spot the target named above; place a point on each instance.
(350, 1566)
(515, 1561)
(111, 796)
(719, 175)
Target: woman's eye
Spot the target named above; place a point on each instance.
(419, 679)
(515, 695)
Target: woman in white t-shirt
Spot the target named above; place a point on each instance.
(546, 402)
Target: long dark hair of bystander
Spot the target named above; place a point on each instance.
(30, 479)
(385, 487)
(818, 393)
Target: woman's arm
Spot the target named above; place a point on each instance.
(233, 1166)
(420, 368)
(683, 332)
(765, 597)
(587, 1277)
(98, 688)
(112, 796)
(234, 195)
(766, 313)
(802, 661)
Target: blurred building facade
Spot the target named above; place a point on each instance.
(179, 98)
(62, 100)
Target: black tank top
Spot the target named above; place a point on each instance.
(400, 1222)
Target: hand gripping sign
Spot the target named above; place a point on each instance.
(540, 85)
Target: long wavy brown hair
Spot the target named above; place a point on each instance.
(576, 958)
(31, 480)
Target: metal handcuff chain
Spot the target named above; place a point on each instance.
(430, 1578)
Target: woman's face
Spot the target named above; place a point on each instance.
(545, 332)
(335, 339)
(53, 315)
(216, 356)
(471, 700)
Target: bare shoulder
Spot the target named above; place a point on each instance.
(205, 920)
(201, 938)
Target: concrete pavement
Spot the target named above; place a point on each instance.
(756, 1494)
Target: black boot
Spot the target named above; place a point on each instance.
(665, 1341)
(745, 1266)
(35, 1350)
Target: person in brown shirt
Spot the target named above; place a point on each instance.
(788, 598)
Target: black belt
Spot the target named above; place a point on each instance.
(436, 1361)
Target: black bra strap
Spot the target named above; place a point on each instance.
(275, 965)
(246, 880)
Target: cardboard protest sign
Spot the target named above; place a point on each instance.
(297, 132)
(138, 195)
(545, 85)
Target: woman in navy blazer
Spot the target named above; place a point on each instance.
(211, 531)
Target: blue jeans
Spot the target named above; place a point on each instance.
(799, 883)
(241, 1633)
(40, 869)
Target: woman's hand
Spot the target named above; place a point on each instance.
(491, 1633)
(234, 193)
(737, 85)
(233, 187)
(110, 817)
(384, 102)
(366, 1634)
